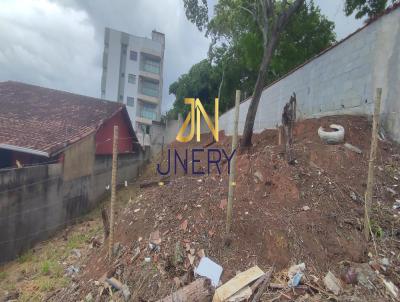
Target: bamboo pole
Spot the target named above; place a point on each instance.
(113, 191)
(232, 165)
(372, 157)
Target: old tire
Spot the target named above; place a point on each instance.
(332, 137)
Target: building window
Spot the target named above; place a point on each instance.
(150, 88)
(151, 66)
(147, 111)
(130, 101)
(122, 74)
(121, 98)
(133, 55)
(132, 78)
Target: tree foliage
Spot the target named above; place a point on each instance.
(200, 82)
(197, 12)
(237, 50)
(368, 8)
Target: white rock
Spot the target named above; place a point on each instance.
(332, 283)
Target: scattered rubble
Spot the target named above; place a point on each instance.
(237, 283)
(332, 283)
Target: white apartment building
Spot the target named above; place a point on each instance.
(133, 75)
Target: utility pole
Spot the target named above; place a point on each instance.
(113, 191)
(372, 157)
(232, 183)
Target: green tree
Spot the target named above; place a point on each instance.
(370, 8)
(200, 82)
(236, 51)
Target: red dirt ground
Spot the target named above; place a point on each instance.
(270, 226)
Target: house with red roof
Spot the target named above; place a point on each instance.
(37, 125)
(56, 159)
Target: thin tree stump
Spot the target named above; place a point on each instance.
(288, 121)
(106, 223)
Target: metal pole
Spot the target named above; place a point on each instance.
(113, 191)
(372, 156)
(232, 183)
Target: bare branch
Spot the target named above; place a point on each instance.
(259, 19)
(252, 13)
(285, 16)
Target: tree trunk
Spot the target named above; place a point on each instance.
(251, 113)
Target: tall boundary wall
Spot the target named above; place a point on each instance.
(341, 80)
(38, 201)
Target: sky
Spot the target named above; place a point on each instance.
(59, 43)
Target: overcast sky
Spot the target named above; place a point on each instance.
(59, 44)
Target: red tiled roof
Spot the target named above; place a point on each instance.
(48, 120)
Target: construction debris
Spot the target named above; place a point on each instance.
(393, 290)
(352, 148)
(237, 283)
(199, 290)
(263, 283)
(209, 269)
(298, 212)
(332, 283)
(119, 286)
(242, 295)
(155, 238)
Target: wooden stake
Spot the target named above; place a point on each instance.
(279, 129)
(113, 191)
(372, 156)
(232, 165)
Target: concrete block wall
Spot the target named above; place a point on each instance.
(36, 202)
(342, 80)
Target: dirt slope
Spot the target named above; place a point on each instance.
(310, 212)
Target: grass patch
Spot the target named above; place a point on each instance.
(3, 275)
(27, 256)
(76, 240)
(45, 267)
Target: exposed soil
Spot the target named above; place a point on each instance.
(283, 214)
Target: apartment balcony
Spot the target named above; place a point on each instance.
(147, 98)
(149, 75)
(152, 52)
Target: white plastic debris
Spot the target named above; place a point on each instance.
(295, 273)
(210, 269)
(394, 291)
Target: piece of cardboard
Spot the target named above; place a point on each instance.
(209, 269)
(237, 283)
